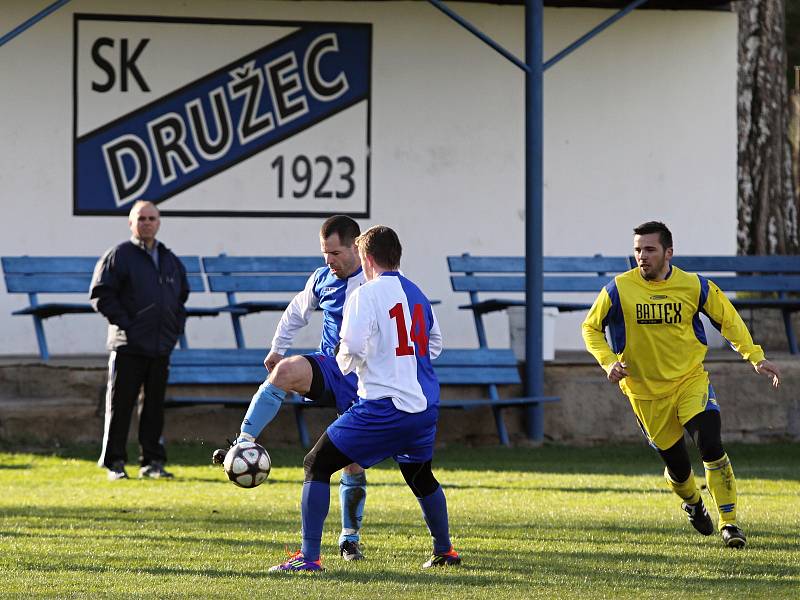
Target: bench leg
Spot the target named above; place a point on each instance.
(39, 327)
(302, 430)
(502, 432)
(237, 331)
(790, 336)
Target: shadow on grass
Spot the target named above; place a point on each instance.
(658, 563)
(15, 467)
(772, 461)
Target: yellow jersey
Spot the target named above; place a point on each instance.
(655, 329)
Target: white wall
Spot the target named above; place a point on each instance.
(640, 124)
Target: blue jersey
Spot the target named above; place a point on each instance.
(325, 291)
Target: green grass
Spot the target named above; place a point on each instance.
(550, 522)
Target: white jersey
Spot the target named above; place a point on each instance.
(389, 336)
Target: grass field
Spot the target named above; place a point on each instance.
(530, 523)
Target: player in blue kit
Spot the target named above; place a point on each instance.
(388, 337)
(316, 376)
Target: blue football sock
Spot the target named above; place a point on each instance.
(434, 510)
(352, 496)
(263, 408)
(314, 507)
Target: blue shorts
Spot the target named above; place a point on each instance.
(340, 390)
(373, 430)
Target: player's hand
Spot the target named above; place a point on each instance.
(617, 372)
(768, 369)
(273, 358)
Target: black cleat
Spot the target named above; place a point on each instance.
(117, 471)
(698, 517)
(350, 550)
(448, 559)
(218, 456)
(733, 537)
(155, 470)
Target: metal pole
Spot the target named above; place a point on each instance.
(478, 33)
(32, 21)
(534, 213)
(585, 38)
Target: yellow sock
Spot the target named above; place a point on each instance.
(722, 485)
(686, 489)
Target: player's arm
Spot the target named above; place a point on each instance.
(594, 337)
(435, 338)
(358, 324)
(720, 310)
(732, 327)
(295, 317)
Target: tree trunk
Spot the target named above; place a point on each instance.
(767, 204)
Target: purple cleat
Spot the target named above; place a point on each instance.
(297, 562)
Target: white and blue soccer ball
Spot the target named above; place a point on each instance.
(247, 464)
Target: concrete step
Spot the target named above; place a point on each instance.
(57, 403)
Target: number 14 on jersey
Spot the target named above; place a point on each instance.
(418, 333)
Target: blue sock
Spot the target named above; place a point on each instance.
(434, 511)
(263, 408)
(352, 496)
(314, 507)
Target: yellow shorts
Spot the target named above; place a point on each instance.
(662, 420)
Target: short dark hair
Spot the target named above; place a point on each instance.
(664, 234)
(342, 225)
(383, 245)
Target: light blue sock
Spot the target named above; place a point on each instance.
(263, 408)
(314, 505)
(352, 496)
(434, 511)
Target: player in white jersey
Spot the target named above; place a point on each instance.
(388, 337)
(316, 376)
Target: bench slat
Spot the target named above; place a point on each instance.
(257, 283)
(233, 374)
(552, 264)
(739, 264)
(55, 284)
(758, 283)
(474, 403)
(487, 283)
(453, 357)
(262, 264)
(71, 264)
(69, 283)
(48, 264)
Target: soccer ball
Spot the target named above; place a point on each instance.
(247, 464)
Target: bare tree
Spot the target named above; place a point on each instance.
(767, 205)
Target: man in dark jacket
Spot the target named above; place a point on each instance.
(140, 286)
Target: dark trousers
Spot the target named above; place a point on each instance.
(127, 374)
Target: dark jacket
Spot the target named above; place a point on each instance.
(144, 305)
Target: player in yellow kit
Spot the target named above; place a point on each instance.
(656, 356)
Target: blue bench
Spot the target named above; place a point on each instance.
(760, 281)
(771, 282)
(506, 274)
(257, 274)
(197, 367)
(269, 275)
(35, 275)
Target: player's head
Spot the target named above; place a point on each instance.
(652, 246)
(337, 238)
(144, 220)
(380, 250)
